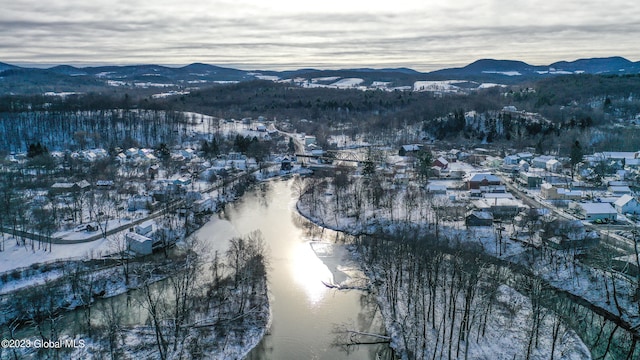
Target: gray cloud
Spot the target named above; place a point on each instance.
(418, 34)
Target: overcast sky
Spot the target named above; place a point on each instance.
(278, 34)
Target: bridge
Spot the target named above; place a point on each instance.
(331, 156)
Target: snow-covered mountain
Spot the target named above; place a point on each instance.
(67, 78)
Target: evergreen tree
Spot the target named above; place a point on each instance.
(425, 161)
(575, 157)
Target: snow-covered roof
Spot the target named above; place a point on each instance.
(481, 177)
(442, 160)
(623, 200)
(525, 155)
(620, 189)
(137, 237)
(412, 147)
(618, 155)
(597, 208)
(484, 215)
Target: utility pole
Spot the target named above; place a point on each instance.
(499, 229)
(637, 258)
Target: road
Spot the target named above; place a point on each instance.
(607, 234)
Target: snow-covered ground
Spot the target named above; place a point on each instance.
(438, 86)
(17, 257)
(557, 268)
(347, 83)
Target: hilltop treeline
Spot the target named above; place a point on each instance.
(574, 102)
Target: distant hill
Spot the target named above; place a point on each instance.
(4, 66)
(14, 79)
(609, 65)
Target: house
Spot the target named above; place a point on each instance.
(121, 158)
(525, 156)
(619, 190)
(478, 180)
(530, 180)
(553, 165)
(511, 160)
(204, 205)
(62, 188)
(627, 204)
(540, 162)
(595, 211)
(261, 128)
(407, 149)
(441, 162)
(500, 207)
(479, 218)
(132, 152)
(550, 192)
(139, 244)
(145, 228)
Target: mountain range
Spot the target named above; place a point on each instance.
(16, 79)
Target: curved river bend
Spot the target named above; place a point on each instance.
(305, 312)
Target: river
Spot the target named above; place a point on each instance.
(305, 312)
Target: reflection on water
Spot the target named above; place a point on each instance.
(309, 272)
(305, 312)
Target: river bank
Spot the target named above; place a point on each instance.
(83, 292)
(507, 333)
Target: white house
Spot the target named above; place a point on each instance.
(121, 158)
(596, 211)
(619, 190)
(511, 160)
(203, 205)
(139, 244)
(553, 165)
(132, 152)
(540, 162)
(145, 228)
(525, 155)
(627, 204)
